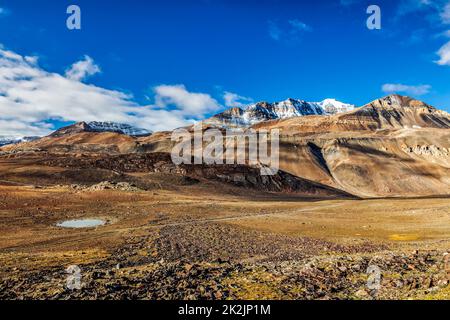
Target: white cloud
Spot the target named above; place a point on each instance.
(82, 69)
(186, 102)
(31, 96)
(17, 128)
(443, 34)
(434, 10)
(290, 32)
(298, 25)
(274, 31)
(444, 54)
(445, 14)
(4, 12)
(409, 6)
(234, 100)
(402, 88)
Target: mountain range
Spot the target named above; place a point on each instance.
(4, 140)
(106, 126)
(234, 117)
(264, 111)
(394, 146)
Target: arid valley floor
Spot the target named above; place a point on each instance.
(205, 240)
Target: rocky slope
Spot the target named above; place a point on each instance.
(236, 175)
(395, 146)
(401, 163)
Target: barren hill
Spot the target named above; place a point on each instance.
(391, 112)
(394, 146)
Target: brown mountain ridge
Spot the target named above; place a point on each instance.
(395, 146)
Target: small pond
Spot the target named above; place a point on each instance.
(81, 223)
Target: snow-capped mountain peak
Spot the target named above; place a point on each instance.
(332, 106)
(104, 126)
(118, 127)
(264, 111)
(4, 140)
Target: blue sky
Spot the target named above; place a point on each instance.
(160, 64)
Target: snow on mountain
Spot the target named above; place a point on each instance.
(14, 140)
(123, 128)
(5, 141)
(264, 111)
(97, 126)
(332, 106)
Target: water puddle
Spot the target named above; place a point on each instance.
(81, 223)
